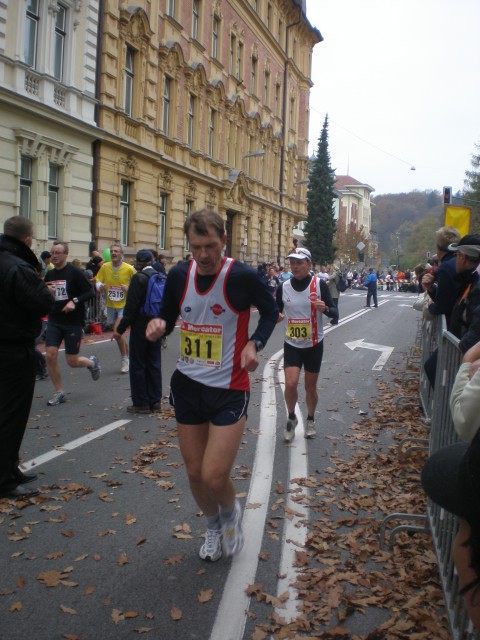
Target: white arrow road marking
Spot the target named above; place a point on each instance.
(386, 351)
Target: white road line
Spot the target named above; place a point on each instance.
(293, 537)
(231, 614)
(74, 444)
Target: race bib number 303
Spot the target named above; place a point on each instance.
(299, 329)
(201, 344)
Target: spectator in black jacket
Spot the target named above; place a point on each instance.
(465, 316)
(24, 300)
(145, 356)
(441, 288)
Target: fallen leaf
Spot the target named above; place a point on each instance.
(176, 613)
(205, 596)
(68, 610)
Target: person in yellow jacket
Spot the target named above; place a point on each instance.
(114, 277)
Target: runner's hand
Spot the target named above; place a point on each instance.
(248, 357)
(155, 329)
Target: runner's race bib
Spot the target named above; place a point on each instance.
(299, 329)
(201, 344)
(115, 293)
(60, 289)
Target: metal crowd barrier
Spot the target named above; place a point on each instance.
(441, 524)
(95, 313)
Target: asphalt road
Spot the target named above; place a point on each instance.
(110, 549)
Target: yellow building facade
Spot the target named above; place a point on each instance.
(202, 104)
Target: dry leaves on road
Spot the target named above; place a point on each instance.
(342, 572)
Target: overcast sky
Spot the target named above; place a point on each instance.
(400, 81)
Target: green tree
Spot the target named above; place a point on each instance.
(471, 193)
(320, 224)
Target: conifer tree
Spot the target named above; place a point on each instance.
(472, 190)
(320, 223)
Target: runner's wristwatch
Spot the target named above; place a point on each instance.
(75, 301)
(258, 344)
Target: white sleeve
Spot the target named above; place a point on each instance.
(465, 403)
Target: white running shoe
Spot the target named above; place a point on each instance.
(94, 368)
(289, 433)
(57, 398)
(125, 365)
(310, 431)
(232, 534)
(211, 549)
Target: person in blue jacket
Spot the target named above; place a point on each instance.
(371, 284)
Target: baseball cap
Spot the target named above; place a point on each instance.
(469, 245)
(301, 254)
(144, 255)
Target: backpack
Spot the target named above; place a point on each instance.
(154, 296)
(341, 284)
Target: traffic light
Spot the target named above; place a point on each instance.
(447, 195)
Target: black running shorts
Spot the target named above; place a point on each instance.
(195, 403)
(310, 357)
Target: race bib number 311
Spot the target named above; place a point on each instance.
(299, 329)
(201, 344)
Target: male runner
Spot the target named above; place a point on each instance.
(301, 301)
(66, 319)
(115, 277)
(210, 387)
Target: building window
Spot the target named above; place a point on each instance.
(53, 189)
(269, 15)
(124, 211)
(261, 233)
(215, 36)
(25, 186)
(162, 226)
(277, 100)
(167, 85)
(128, 82)
(59, 46)
(31, 33)
(195, 19)
(239, 74)
(292, 113)
(211, 133)
(191, 120)
(233, 49)
(255, 5)
(266, 89)
(189, 204)
(171, 8)
(280, 32)
(253, 77)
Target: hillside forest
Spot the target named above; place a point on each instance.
(405, 224)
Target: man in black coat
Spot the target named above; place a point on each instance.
(24, 300)
(145, 356)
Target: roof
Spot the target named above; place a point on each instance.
(345, 183)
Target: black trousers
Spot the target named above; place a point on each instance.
(370, 293)
(145, 368)
(17, 382)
